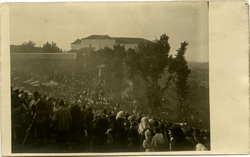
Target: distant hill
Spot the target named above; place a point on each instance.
(203, 65)
(199, 90)
(199, 76)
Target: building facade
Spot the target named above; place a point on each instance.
(100, 41)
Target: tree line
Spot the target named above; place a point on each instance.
(30, 47)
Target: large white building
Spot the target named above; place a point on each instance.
(101, 41)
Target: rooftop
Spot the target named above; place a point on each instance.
(77, 41)
(95, 37)
(104, 37)
(118, 40)
(122, 40)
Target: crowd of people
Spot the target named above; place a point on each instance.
(39, 122)
(83, 88)
(80, 117)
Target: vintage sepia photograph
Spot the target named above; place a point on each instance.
(109, 77)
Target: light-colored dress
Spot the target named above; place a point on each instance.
(158, 142)
(147, 143)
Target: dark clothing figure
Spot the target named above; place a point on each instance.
(178, 140)
(77, 128)
(95, 134)
(48, 120)
(88, 119)
(190, 139)
(119, 136)
(39, 111)
(26, 113)
(16, 112)
(17, 121)
(134, 141)
(99, 136)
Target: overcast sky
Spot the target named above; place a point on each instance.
(63, 23)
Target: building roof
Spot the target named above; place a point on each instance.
(93, 37)
(118, 40)
(121, 40)
(97, 37)
(104, 37)
(58, 56)
(77, 41)
(14, 48)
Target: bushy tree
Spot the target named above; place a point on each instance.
(115, 63)
(29, 44)
(148, 62)
(112, 58)
(51, 48)
(28, 47)
(178, 67)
